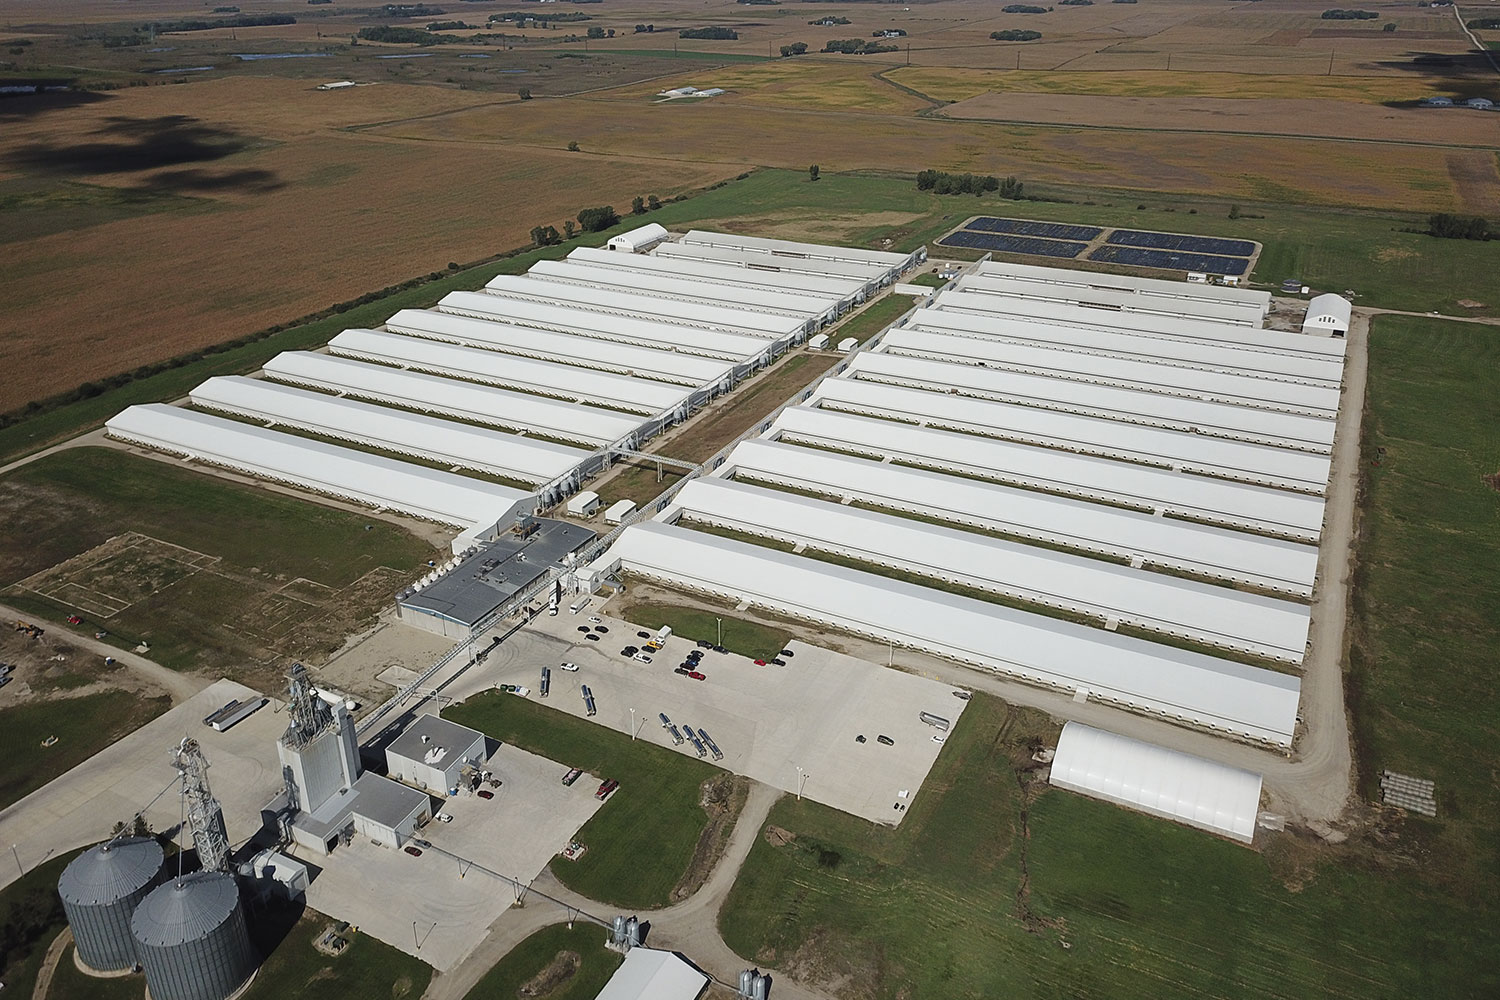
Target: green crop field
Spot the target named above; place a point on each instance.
(83, 726)
(584, 941)
(641, 843)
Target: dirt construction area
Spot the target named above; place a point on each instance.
(768, 721)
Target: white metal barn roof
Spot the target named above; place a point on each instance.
(322, 468)
(1108, 298)
(767, 263)
(1217, 552)
(846, 290)
(567, 348)
(401, 431)
(1190, 609)
(640, 238)
(1162, 326)
(1328, 313)
(917, 358)
(614, 301)
(1155, 780)
(584, 385)
(1220, 387)
(1248, 297)
(782, 302)
(1218, 501)
(650, 333)
(649, 974)
(1241, 460)
(1210, 356)
(1204, 690)
(452, 397)
(875, 259)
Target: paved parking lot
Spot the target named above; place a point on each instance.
(768, 721)
(81, 806)
(438, 907)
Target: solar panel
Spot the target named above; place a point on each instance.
(1170, 260)
(1012, 244)
(1187, 244)
(1025, 227)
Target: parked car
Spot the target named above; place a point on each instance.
(642, 657)
(682, 669)
(415, 852)
(630, 650)
(697, 675)
(572, 776)
(963, 695)
(601, 629)
(584, 628)
(886, 740)
(760, 663)
(485, 793)
(595, 619)
(643, 635)
(443, 818)
(779, 662)
(705, 644)
(720, 649)
(591, 636)
(939, 738)
(860, 738)
(570, 667)
(605, 787)
(787, 652)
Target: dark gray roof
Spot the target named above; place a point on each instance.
(109, 872)
(485, 580)
(440, 732)
(185, 909)
(389, 803)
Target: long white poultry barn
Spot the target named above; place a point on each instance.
(847, 292)
(979, 332)
(1284, 468)
(1204, 498)
(1166, 783)
(872, 278)
(448, 441)
(592, 425)
(750, 351)
(915, 359)
(1209, 551)
(1161, 326)
(569, 273)
(547, 378)
(1187, 609)
(332, 470)
(566, 348)
(895, 264)
(1176, 684)
(634, 304)
(1106, 298)
(1248, 298)
(1151, 376)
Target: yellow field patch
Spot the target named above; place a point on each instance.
(952, 84)
(798, 83)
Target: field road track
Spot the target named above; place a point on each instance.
(49, 964)
(689, 927)
(1474, 39)
(179, 686)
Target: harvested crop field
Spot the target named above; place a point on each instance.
(275, 211)
(1310, 118)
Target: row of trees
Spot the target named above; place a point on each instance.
(794, 49)
(719, 34)
(1015, 35)
(1460, 227)
(940, 182)
(1338, 14)
(238, 21)
(592, 220)
(856, 47)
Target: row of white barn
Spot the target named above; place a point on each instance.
(534, 381)
(1146, 461)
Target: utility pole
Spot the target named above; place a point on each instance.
(18, 859)
(721, 630)
(632, 725)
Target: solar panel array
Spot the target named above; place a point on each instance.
(1170, 259)
(1176, 241)
(1025, 227)
(1006, 243)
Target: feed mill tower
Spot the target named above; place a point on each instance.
(190, 933)
(100, 891)
(318, 752)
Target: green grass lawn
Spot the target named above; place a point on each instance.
(70, 984)
(927, 279)
(595, 964)
(296, 970)
(747, 638)
(31, 915)
(1151, 909)
(83, 726)
(641, 843)
(872, 318)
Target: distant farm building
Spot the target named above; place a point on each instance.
(639, 240)
(1327, 315)
(1437, 102)
(1479, 103)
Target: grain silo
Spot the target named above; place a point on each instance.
(191, 938)
(100, 891)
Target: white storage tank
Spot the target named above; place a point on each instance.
(100, 891)
(191, 938)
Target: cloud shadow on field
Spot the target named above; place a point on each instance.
(125, 145)
(15, 107)
(196, 181)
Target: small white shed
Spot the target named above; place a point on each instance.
(638, 240)
(1327, 316)
(847, 344)
(585, 504)
(619, 511)
(818, 342)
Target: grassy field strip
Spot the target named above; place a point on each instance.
(584, 978)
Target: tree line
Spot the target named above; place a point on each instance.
(939, 182)
(1460, 227)
(720, 34)
(857, 47)
(1338, 14)
(591, 220)
(1016, 35)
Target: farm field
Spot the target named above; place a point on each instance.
(211, 574)
(642, 843)
(557, 962)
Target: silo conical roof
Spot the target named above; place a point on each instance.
(185, 909)
(110, 872)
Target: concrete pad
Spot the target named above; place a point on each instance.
(768, 721)
(370, 657)
(80, 807)
(438, 907)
